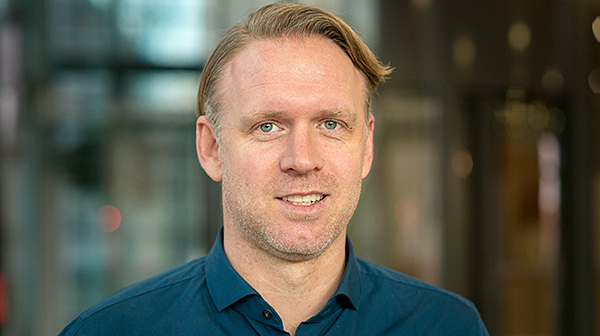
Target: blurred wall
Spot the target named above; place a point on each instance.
(486, 178)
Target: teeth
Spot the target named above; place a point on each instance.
(303, 200)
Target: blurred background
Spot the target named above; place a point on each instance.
(486, 178)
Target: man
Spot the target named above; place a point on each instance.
(285, 124)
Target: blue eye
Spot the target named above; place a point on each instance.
(330, 125)
(268, 127)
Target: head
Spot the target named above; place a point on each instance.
(284, 124)
(285, 20)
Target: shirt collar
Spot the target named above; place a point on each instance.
(226, 286)
(351, 285)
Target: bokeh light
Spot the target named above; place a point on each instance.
(464, 51)
(594, 81)
(519, 36)
(109, 218)
(553, 80)
(462, 164)
(596, 28)
(421, 4)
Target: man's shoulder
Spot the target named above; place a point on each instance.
(170, 280)
(148, 298)
(412, 306)
(384, 281)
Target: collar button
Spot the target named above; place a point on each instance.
(267, 314)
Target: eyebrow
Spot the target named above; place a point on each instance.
(260, 115)
(350, 117)
(339, 113)
(268, 114)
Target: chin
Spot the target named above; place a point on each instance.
(296, 254)
(301, 249)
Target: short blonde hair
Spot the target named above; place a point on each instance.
(283, 20)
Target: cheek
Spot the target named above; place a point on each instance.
(347, 165)
(245, 164)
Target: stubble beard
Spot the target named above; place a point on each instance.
(251, 218)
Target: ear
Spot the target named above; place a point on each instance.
(368, 159)
(207, 149)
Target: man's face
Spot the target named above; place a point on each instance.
(295, 145)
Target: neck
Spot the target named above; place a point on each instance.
(297, 290)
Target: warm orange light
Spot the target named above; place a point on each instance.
(596, 28)
(109, 218)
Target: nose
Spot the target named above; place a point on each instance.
(302, 153)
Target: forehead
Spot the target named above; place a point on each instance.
(295, 61)
(294, 54)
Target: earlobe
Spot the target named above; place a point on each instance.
(368, 159)
(207, 149)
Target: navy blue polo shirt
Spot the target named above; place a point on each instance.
(208, 297)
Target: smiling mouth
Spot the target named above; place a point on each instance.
(303, 200)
